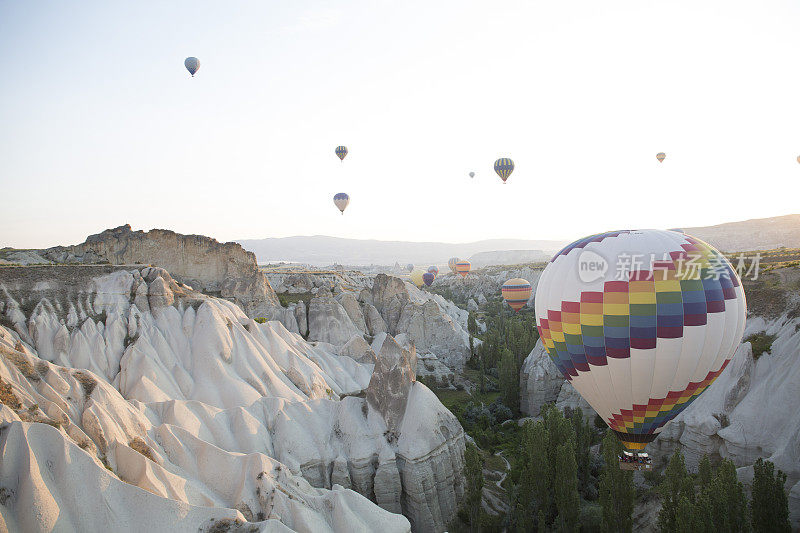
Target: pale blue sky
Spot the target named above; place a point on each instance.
(101, 125)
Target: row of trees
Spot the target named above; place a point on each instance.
(714, 500)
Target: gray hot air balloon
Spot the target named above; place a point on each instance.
(192, 64)
(471, 174)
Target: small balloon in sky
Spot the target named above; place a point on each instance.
(341, 200)
(192, 64)
(471, 174)
(661, 156)
(504, 167)
(341, 152)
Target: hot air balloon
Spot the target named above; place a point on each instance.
(452, 263)
(798, 158)
(428, 278)
(661, 156)
(640, 323)
(433, 269)
(409, 267)
(341, 200)
(463, 267)
(516, 293)
(504, 167)
(471, 174)
(416, 278)
(192, 64)
(341, 152)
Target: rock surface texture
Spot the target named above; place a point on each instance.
(113, 378)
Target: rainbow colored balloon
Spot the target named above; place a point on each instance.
(463, 267)
(516, 292)
(433, 269)
(427, 278)
(341, 152)
(641, 323)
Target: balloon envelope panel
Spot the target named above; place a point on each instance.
(641, 323)
(516, 292)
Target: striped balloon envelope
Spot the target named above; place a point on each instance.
(463, 268)
(433, 269)
(504, 167)
(452, 263)
(341, 199)
(516, 292)
(427, 278)
(661, 156)
(341, 152)
(640, 323)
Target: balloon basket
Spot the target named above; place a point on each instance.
(635, 461)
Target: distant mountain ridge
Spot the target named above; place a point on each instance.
(754, 234)
(324, 250)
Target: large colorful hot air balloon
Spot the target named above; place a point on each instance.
(416, 277)
(504, 167)
(640, 323)
(516, 293)
(452, 263)
(341, 152)
(661, 156)
(428, 278)
(341, 200)
(463, 267)
(192, 64)
(433, 269)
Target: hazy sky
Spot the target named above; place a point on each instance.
(101, 125)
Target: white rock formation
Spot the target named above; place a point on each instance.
(216, 415)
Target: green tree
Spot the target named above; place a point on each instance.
(704, 472)
(535, 476)
(726, 500)
(672, 489)
(509, 380)
(473, 471)
(769, 506)
(617, 493)
(565, 488)
(684, 515)
(583, 439)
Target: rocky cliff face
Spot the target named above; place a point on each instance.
(224, 269)
(216, 416)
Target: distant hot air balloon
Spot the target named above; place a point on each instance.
(416, 278)
(471, 174)
(452, 263)
(463, 267)
(409, 267)
(341, 152)
(798, 158)
(516, 293)
(341, 200)
(192, 64)
(433, 269)
(428, 278)
(661, 156)
(641, 339)
(504, 167)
